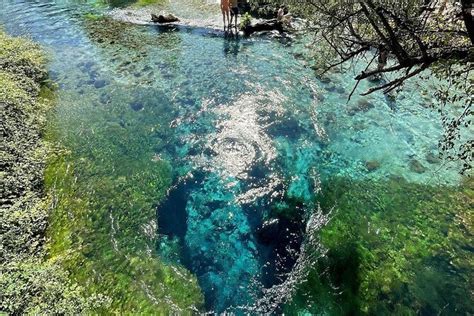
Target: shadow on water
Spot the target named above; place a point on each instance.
(231, 44)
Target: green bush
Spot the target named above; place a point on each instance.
(245, 21)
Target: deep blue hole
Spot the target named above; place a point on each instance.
(278, 239)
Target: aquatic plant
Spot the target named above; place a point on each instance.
(103, 251)
(108, 180)
(106, 230)
(393, 248)
(30, 283)
(143, 3)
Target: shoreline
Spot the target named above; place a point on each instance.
(142, 16)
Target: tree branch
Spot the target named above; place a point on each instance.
(395, 83)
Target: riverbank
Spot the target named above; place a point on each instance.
(196, 13)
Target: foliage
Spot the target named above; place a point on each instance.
(263, 8)
(393, 248)
(245, 21)
(458, 93)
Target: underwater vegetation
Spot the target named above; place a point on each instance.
(30, 282)
(107, 230)
(83, 238)
(393, 247)
(142, 3)
(106, 180)
(108, 186)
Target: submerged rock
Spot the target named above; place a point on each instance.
(391, 100)
(376, 79)
(330, 118)
(341, 90)
(325, 79)
(330, 87)
(363, 105)
(416, 166)
(136, 106)
(100, 83)
(372, 165)
(432, 158)
(359, 126)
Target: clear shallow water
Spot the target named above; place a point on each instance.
(247, 129)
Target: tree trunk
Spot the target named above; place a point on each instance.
(468, 18)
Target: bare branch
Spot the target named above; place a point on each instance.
(395, 83)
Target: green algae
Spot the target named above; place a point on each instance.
(85, 239)
(144, 3)
(393, 248)
(108, 185)
(108, 180)
(107, 241)
(29, 283)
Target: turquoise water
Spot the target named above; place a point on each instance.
(247, 129)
